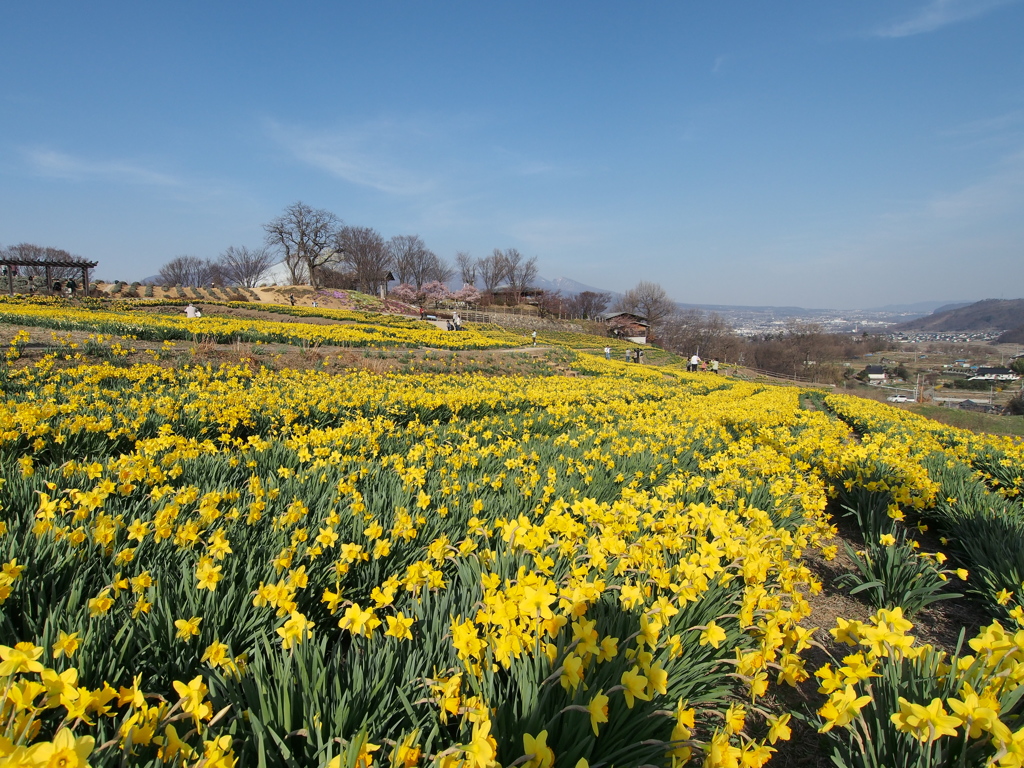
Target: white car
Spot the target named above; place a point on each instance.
(898, 399)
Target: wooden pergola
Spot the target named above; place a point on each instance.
(48, 265)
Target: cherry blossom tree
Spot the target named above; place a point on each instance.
(436, 291)
(406, 293)
(468, 294)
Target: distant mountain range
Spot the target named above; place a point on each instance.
(569, 286)
(986, 315)
(921, 307)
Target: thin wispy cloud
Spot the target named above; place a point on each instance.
(1009, 122)
(937, 14)
(999, 193)
(365, 155)
(55, 164)
(978, 221)
(972, 231)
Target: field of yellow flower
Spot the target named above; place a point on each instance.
(355, 329)
(226, 566)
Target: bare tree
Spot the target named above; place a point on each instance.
(588, 304)
(443, 271)
(306, 236)
(553, 303)
(189, 270)
(245, 266)
(491, 270)
(467, 267)
(409, 258)
(32, 251)
(692, 332)
(39, 252)
(510, 259)
(519, 272)
(414, 263)
(364, 252)
(648, 300)
(806, 350)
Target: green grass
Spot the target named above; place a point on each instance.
(976, 422)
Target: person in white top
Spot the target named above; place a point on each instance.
(694, 363)
(191, 311)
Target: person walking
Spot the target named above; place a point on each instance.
(534, 338)
(694, 362)
(607, 353)
(714, 365)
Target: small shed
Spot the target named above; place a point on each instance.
(875, 373)
(970, 405)
(628, 326)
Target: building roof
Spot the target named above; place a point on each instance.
(625, 317)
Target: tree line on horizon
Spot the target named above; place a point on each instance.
(320, 251)
(31, 251)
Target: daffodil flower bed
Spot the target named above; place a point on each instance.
(968, 486)
(156, 327)
(225, 566)
(448, 570)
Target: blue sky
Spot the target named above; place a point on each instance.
(800, 153)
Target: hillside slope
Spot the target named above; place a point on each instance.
(985, 315)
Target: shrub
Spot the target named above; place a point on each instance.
(1016, 404)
